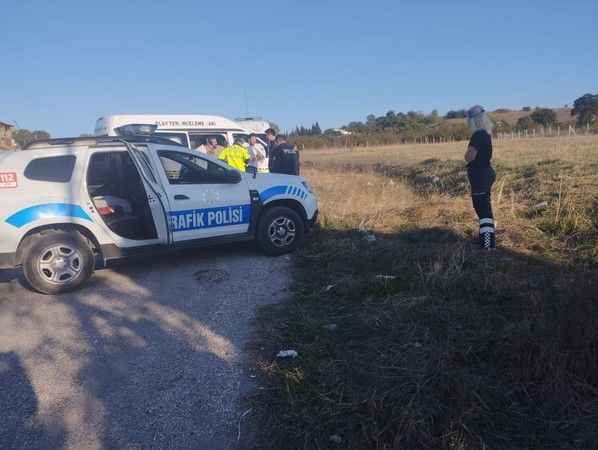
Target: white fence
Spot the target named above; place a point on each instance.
(545, 132)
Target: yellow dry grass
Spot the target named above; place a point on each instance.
(410, 337)
(581, 149)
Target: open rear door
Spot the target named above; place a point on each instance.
(156, 197)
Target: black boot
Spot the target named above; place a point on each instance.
(487, 240)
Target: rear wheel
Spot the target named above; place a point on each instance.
(57, 261)
(280, 231)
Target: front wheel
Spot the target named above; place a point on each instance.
(280, 231)
(57, 261)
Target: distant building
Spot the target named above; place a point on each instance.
(342, 132)
(6, 140)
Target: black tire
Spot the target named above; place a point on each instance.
(57, 261)
(280, 230)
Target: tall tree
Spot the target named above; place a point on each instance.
(544, 116)
(524, 123)
(586, 109)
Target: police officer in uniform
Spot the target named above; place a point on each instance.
(284, 158)
(480, 172)
(270, 140)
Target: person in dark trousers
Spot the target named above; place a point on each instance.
(284, 158)
(480, 172)
(271, 140)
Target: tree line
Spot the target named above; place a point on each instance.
(412, 126)
(398, 127)
(23, 136)
(314, 130)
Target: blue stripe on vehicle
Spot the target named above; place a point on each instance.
(271, 192)
(194, 219)
(280, 190)
(46, 211)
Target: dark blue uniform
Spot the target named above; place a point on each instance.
(481, 177)
(284, 158)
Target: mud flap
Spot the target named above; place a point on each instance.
(256, 209)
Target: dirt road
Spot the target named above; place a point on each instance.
(148, 355)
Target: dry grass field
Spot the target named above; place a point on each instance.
(409, 336)
(578, 150)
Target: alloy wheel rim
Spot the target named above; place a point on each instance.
(282, 231)
(59, 264)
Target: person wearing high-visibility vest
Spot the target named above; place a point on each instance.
(236, 155)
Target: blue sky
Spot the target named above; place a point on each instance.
(65, 63)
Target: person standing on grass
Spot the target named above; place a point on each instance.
(480, 172)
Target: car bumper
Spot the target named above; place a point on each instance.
(311, 222)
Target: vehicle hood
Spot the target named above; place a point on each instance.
(264, 181)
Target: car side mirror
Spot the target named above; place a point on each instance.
(233, 176)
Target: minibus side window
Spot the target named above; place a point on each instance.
(199, 139)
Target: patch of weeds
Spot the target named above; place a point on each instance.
(456, 349)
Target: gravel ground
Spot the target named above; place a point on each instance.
(147, 355)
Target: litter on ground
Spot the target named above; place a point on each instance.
(386, 277)
(287, 354)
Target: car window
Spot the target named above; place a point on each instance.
(110, 168)
(199, 139)
(186, 168)
(179, 138)
(57, 169)
(244, 136)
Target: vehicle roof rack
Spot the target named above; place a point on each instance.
(94, 140)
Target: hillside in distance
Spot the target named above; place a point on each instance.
(563, 116)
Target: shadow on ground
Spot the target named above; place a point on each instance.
(434, 344)
(147, 355)
(19, 405)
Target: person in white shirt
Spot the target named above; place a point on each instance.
(259, 158)
(211, 147)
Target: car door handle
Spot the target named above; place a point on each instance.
(181, 197)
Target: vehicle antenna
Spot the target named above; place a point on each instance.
(246, 103)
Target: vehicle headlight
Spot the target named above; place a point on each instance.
(306, 185)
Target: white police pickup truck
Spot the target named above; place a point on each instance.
(68, 206)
